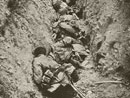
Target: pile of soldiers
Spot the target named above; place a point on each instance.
(56, 67)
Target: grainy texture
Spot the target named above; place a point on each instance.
(24, 24)
(109, 23)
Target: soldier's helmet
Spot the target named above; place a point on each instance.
(45, 49)
(38, 51)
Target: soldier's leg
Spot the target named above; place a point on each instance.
(75, 76)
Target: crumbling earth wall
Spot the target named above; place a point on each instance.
(24, 25)
(109, 22)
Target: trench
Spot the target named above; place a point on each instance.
(25, 24)
(102, 77)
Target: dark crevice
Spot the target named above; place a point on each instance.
(127, 1)
(2, 32)
(98, 57)
(80, 13)
(2, 28)
(86, 40)
(99, 45)
(111, 45)
(12, 5)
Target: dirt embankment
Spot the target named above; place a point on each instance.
(108, 26)
(24, 24)
(109, 23)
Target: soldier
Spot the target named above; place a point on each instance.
(67, 42)
(60, 6)
(62, 27)
(48, 74)
(41, 64)
(63, 51)
(69, 30)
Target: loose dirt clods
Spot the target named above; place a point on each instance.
(26, 24)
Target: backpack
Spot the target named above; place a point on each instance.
(50, 79)
(47, 78)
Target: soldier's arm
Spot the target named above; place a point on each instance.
(37, 73)
(75, 63)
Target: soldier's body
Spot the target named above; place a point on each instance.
(67, 51)
(50, 76)
(60, 6)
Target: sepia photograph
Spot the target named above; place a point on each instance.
(64, 48)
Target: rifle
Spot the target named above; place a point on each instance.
(80, 94)
(70, 82)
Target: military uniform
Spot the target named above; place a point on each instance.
(52, 64)
(60, 6)
(49, 75)
(63, 51)
(40, 65)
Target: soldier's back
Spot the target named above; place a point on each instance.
(45, 62)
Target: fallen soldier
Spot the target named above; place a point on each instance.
(49, 75)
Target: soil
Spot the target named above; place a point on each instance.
(109, 22)
(27, 24)
(95, 85)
